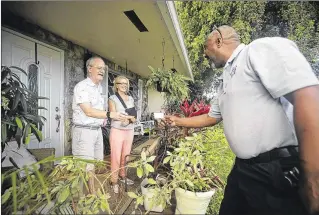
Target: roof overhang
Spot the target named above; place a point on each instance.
(103, 28)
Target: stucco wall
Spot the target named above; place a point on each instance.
(155, 101)
(74, 63)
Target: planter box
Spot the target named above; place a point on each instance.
(188, 202)
(147, 193)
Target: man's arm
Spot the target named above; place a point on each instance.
(306, 120)
(101, 114)
(193, 122)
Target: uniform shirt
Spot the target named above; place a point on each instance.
(119, 108)
(250, 99)
(87, 92)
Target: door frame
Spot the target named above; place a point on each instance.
(62, 100)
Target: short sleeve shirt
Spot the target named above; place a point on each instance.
(120, 108)
(87, 92)
(250, 98)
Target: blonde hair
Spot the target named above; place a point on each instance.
(117, 79)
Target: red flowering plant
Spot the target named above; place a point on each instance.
(194, 109)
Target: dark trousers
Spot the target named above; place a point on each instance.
(261, 189)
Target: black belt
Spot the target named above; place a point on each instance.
(274, 154)
(92, 127)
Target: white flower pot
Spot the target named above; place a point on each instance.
(188, 202)
(148, 194)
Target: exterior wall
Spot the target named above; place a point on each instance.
(155, 101)
(74, 63)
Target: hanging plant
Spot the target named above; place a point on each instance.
(172, 83)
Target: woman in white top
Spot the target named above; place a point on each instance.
(122, 132)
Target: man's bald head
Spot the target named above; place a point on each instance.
(227, 33)
(220, 44)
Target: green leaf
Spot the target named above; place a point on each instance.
(90, 200)
(28, 179)
(16, 101)
(166, 160)
(26, 135)
(149, 167)
(70, 165)
(143, 155)
(139, 172)
(189, 138)
(150, 159)
(189, 183)
(64, 195)
(14, 191)
(5, 196)
(27, 139)
(23, 103)
(151, 181)
(139, 200)
(132, 195)
(18, 136)
(75, 183)
(36, 132)
(19, 122)
(105, 206)
(41, 180)
(55, 189)
(21, 70)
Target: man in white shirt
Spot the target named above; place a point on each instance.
(89, 114)
(270, 152)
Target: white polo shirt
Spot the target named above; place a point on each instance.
(87, 92)
(250, 99)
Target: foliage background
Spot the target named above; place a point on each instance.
(297, 21)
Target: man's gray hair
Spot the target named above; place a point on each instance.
(90, 61)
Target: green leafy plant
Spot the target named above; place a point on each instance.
(19, 118)
(173, 83)
(56, 190)
(189, 171)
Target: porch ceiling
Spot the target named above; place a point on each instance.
(103, 28)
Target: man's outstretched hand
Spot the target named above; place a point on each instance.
(171, 120)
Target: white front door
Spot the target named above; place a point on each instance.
(44, 77)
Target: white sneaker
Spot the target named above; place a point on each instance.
(128, 181)
(115, 188)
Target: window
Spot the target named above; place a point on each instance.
(33, 75)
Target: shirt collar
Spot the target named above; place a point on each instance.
(235, 54)
(91, 83)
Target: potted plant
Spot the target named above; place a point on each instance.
(151, 186)
(193, 184)
(19, 109)
(173, 83)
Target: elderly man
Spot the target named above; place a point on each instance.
(276, 154)
(89, 114)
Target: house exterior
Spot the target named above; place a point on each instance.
(52, 41)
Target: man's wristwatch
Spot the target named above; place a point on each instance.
(108, 114)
